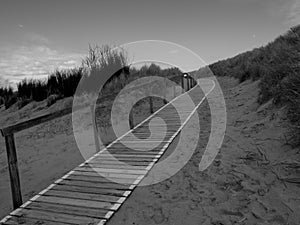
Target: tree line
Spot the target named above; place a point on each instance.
(86, 78)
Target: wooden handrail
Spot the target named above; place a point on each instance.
(33, 122)
(11, 129)
(8, 133)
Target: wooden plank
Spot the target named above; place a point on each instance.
(95, 129)
(137, 148)
(99, 179)
(154, 152)
(125, 166)
(90, 190)
(121, 156)
(13, 171)
(36, 121)
(96, 184)
(14, 220)
(130, 161)
(86, 196)
(113, 163)
(112, 171)
(131, 120)
(56, 217)
(151, 105)
(69, 209)
(111, 175)
(76, 202)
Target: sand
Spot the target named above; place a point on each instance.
(241, 186)
(48, 151)
(248, 183)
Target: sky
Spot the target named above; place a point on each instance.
(39, 36)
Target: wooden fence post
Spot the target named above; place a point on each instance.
(95, 129)
(182, 83)
(174, 91)
(13, 171)
(165, 91)
(151, 104)
(131, 124)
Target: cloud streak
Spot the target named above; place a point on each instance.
(294, 13)
(17, 63)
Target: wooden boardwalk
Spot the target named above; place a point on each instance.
(82, 196)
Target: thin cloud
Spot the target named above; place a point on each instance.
(294, 13)
(36, 39)
(38, 62)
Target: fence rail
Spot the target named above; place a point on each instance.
(9, 131)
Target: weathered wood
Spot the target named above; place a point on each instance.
(96, 184)
(127, 159)
(85, 196)
(57, 217)
(104, 157)
(116, 171)
(165, 88)
(13, 171)
(14, 220)
(99, 178)
(69, 209)
(89, 190)
(151, 104)
(35, 121)
(182, 83)
(118, 166)
(76, 202)
(174, 91)
(131, 120)
(132, 163)
(95, 129)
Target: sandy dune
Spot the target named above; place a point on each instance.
(240, 187)
(250, 182)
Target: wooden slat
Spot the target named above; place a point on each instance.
(96, 184)
(103, 157)
(110, 175)
(21, 220)
(56, 217)
(86, 196)
(114, 163)
(90, 190)
(69, 209)
(76, 202)
(151, 153)
(98, 179)
(112, 171)
(118, 166)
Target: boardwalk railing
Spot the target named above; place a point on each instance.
(187, 82)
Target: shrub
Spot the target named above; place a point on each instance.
(277, 66)
(10, 101)
(22, 102)
(52, 99)
(1, 100)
